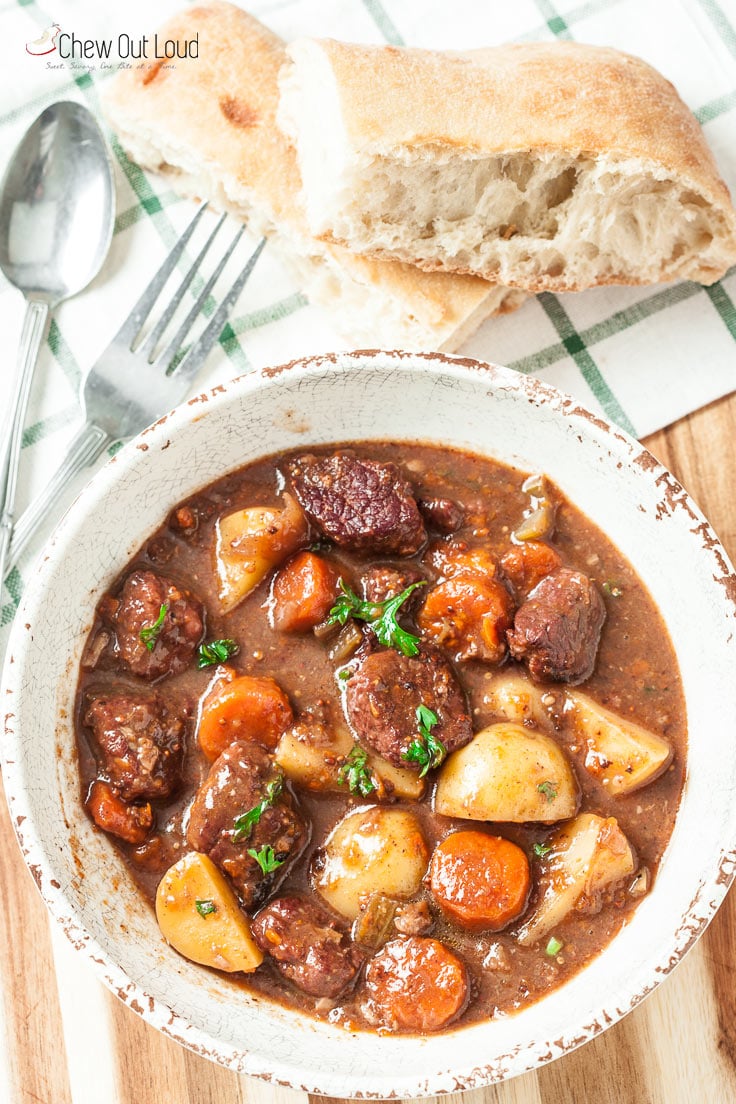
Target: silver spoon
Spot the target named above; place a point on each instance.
(57, 209)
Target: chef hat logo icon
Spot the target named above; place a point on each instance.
(45, 43)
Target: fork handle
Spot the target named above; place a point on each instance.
(88, 443)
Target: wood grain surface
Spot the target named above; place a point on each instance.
(65, 1040)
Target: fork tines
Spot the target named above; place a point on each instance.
(131, 329)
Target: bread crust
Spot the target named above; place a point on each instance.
(543, 96)
(212, 119)
(546, 98)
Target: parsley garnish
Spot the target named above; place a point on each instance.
(541, 849)
(217, 651)
(381, 616)
(553, 947)
(246, 822)
(205, 908)
(355, 773)
(613, 590)
(149, 634)
(427, 750)
(266, 859)
(548, 789)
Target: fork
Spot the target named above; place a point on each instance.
(129, 387)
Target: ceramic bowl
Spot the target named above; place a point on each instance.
(360, 396)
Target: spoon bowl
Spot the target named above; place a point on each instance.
(57, 205)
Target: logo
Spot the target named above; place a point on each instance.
(46, 44)
(123, 52)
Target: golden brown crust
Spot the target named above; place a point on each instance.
(585, 103)
(540, 96)
(218, 112)
(201, 103)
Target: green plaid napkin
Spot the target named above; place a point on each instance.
(643, 356)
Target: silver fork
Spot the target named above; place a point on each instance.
(129, 387)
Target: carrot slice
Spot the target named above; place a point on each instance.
(469, 615)
(109, 812)
(304, 591)
(479, 881)
(241, 710)
(525, 565)
(415, 984)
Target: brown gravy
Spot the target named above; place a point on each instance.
(636, 676)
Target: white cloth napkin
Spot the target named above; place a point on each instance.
(643, 356)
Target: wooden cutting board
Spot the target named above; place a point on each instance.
(65, 1040)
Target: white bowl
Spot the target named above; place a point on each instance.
(359, 396)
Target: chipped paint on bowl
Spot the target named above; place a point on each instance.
(364, 395)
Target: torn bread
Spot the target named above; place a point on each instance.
(208, 124)
(544, 166)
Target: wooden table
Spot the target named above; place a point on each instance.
(679, 1047)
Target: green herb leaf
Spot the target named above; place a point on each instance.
(381, 616)
(613, 590)
(553, 947)
(541, 849)
(217, 651)
(149, 633)
(205, 908)
(266, 859)
(426, 750)
(355, 773)
(426, 719)
(246, 822)
(548, 789)
(344, 675)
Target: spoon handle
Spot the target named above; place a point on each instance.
(34, 324)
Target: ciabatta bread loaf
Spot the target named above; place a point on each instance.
(544, 166)
(209, 125)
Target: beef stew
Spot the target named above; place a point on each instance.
(390, 733)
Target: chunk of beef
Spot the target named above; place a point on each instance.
(413, 918)
(557, 630)
(236, 784)
(383, 694)
(363, 505)
(382, 581)
(307, 946)
(442, 514)
(168, 649)
(141, 742)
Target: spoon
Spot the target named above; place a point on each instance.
(57, 208)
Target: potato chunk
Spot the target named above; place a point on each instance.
(250, 543)
(199, 915)
(312, 755)
(519, 700)
(508, 773)
(620, 754)
(587, 855)
(371, 851)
